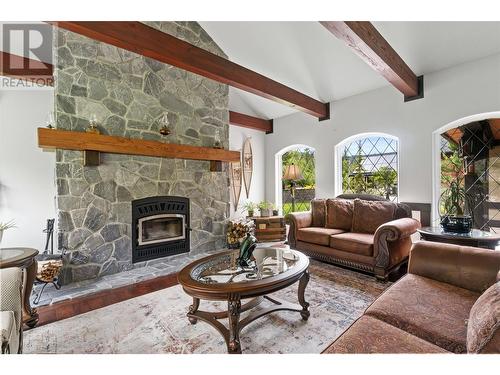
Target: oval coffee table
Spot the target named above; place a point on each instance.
(219, 278)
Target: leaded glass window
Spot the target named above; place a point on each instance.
(370, 166)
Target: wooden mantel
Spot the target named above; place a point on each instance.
(71, 140)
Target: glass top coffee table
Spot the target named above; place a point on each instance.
(475, 238)
(219, 278)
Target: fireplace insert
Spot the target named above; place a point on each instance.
(160, 227)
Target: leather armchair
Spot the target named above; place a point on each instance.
(11, 280)
(392, 243)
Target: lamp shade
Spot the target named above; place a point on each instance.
(293, 173)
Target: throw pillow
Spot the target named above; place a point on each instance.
(318, 208)
(369, 215)
(483, 327)
(339, 213)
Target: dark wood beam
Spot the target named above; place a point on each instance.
(147, 41)
(246, 121)
(371, 46)
(20, 67)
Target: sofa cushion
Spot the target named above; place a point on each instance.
(483, 328)
(434, 311)
(318, 209)
(369, 215)
(319, 236)
(339, 213)
(369, 335)
(358, 243)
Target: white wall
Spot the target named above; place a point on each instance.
(450, 94)
(27, 184)
(238, 135)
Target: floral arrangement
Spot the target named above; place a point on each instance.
(237, 231)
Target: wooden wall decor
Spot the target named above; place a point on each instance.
(247, 163)
(236, 182)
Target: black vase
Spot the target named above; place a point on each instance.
(456, 224)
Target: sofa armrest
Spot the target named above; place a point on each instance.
(466, 267)
(297, 220)
(11, 280)
(393, 237)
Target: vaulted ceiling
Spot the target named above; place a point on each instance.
(306, 57)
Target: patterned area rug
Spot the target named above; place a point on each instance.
(157, 323)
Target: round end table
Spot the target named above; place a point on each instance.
(24, 258)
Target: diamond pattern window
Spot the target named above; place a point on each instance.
(370, 166)
(470, 173)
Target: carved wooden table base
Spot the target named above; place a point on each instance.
(231, 333)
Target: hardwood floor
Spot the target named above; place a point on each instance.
(76, 306)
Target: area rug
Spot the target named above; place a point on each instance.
(157, 323)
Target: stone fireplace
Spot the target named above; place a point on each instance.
(128, 94)
(160, 227)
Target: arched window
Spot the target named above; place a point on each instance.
(470, 173)
(296, 177)
(368, 164)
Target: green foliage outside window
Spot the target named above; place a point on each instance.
(304, 159)
(362, 177)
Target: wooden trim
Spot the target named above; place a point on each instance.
(370, 45)
(250, 122)
(79, 305)
(147, 41)
(71, 140)
(32, 70)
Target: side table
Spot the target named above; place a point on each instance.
(269, 228)
(23, 258)
(475, 238)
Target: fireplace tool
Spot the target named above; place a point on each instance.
(50, 236)
(49, 264)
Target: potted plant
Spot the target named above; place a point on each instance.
(5, 226)
(265, 209)
(250, 207)
(275, 209)
(454, 200)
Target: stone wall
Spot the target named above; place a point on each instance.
(128, 93)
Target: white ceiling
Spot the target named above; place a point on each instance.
(306, 57)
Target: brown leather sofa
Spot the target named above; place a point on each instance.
(448, 302)
(369, 234)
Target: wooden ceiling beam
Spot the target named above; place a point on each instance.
(19, 67)
(250, 122)
(147, 41)
(370, 45)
